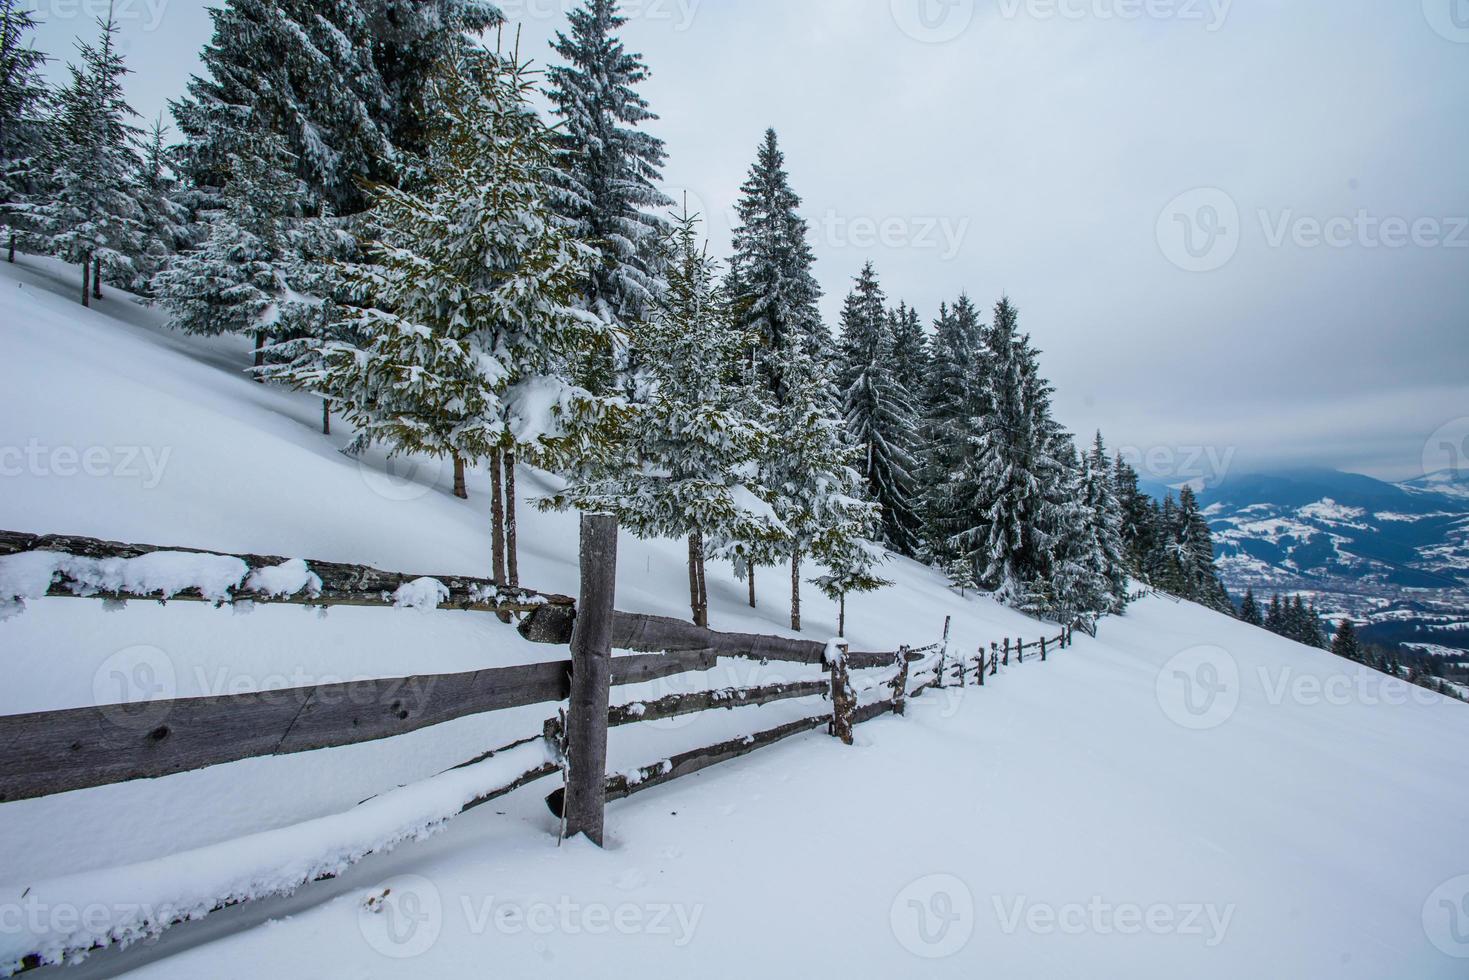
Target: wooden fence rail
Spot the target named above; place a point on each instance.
(59, 751)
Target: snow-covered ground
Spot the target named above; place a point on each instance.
(1185, 796)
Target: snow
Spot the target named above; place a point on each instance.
(133, 902)
(292, 578)
(423, 594)
(161, 573)
(1317, 813)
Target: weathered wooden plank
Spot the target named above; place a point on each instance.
(59, 751)
(676, 705)
(548, 618)
(591, 680)
(633, 631)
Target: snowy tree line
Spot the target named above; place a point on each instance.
(367, 190)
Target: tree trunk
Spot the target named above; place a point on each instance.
(260, 339)
(703, 585)
(96, 278)
(512, 530)
(87, 281)
(326, 417)
(461, 484)
(11, 257)
(796, 592)
(694, 577)
(842, 616)
(750, 566)
(497, 511)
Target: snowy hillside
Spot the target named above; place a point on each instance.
(1184, 796)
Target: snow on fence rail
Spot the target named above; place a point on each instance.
(60, 751)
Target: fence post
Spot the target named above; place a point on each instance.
(1043, 649)
(994, 659)
(900, 684)
(843, 698)
(1020, 650)
(1007, 651)
(981, 666)
(591, 680)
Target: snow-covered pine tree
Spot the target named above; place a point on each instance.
(1249, 610)
(961, 576)
(1013, 473)
(89, 213)
(955, 393)
(23, 102)
(166, 229)
(1075, 588)
(607, 175)
(467, 307)
(244, 276)
(809, 471)
(881, 419)
(1275, 616)
(1194, 546)
(771, 283)
(911, 361)
(343, 82)
(1139, 517)
(696, 449)
(851, 563)
(1101, 498)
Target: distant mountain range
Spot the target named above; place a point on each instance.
(1392, 556)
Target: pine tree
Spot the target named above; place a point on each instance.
(245, 276)
(961, 576)
(1345, 644)
(1275, 616)
(912, 364)
(809, 471)
(771, 283)
(1013, 475)
(881, 419)
(166, 228)
(23, 101)
(696, 450)
(851, 563)
(1139, 517)
(955, 399)
(89, 215)
(608, 172)
(467, 307)
(1250, 610)
(1109, 561)
(344, 82)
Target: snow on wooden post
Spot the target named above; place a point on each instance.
(900, 683)
(843, 698)
(994, 659)
(591, 680)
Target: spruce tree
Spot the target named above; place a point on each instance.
(166, 228)
(467, 307)
(771, 283)
(1345, 643)
(955, 399)
(911, 362)
(344, 82)
(696, 450)
(1275, 616)
(1250, 610)
(811, 476)
(1109, 560)
(89, 213)
(851, 563)
(23, 102)
(880, 416)
(245, 276)
(608, 171)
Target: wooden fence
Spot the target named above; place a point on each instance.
(54, 752)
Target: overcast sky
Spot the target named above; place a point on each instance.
(1237, 226)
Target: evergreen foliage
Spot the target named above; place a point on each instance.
(23, 104)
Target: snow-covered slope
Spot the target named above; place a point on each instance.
(1182, 796)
